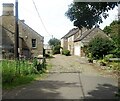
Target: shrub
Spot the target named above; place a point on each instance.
(102, 62)
(66, 52)
(116, 52)
(14, 69)
(107, 57)
(90, 60)
(100, 46)
(56, 50)
(114, 65)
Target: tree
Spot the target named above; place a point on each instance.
(54, 42)
(114, 33)
(88, 14)
(100, 46)
(107, 30)
(112, 30)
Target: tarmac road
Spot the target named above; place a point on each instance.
(70, 78)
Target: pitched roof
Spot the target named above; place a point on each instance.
(84, 34)
(25, 25)
(71, 32)
(84, 37)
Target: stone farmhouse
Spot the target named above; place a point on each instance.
(76, 39)
(30, 42)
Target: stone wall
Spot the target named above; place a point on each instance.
(26, 34)
(71, 44)
(64, 43)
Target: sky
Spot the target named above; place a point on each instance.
(52, 13)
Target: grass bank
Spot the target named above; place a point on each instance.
(17, 73)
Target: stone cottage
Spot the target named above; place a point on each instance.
(30, 42)
(67, 41)
(76, 39)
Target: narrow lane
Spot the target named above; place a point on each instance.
(94, 83)
(70, 78)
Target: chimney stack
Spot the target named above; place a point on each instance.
(8, 9)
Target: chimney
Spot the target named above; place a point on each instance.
(8, 9)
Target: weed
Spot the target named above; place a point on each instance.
(20, 72)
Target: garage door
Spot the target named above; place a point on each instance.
(77, 50)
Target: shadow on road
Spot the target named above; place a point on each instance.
(45, 89)
(49, 89)
(103, 91)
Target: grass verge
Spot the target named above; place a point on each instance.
(21, 80)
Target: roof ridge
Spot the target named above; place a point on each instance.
(69, 32)
(80, 34)
(88, 33)
(31, 28)
(85, 35)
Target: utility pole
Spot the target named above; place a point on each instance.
(16, 31)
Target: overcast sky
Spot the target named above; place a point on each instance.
(53, 16)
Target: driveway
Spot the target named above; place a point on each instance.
(71, 77)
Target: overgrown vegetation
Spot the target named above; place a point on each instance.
(106, 50)
(56, 49)
(78, 12)
(100, 46)
(20, 72)
(55, 44)
(113, 31)
(66, 52)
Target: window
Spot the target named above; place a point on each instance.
(33, 43)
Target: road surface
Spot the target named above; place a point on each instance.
(71, 77)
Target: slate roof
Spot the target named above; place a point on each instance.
(84, 37)
(71, 32)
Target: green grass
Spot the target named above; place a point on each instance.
(23, 80)
(17, 73)
(49, 66)
(18, 82)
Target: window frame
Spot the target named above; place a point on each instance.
(34, 46)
